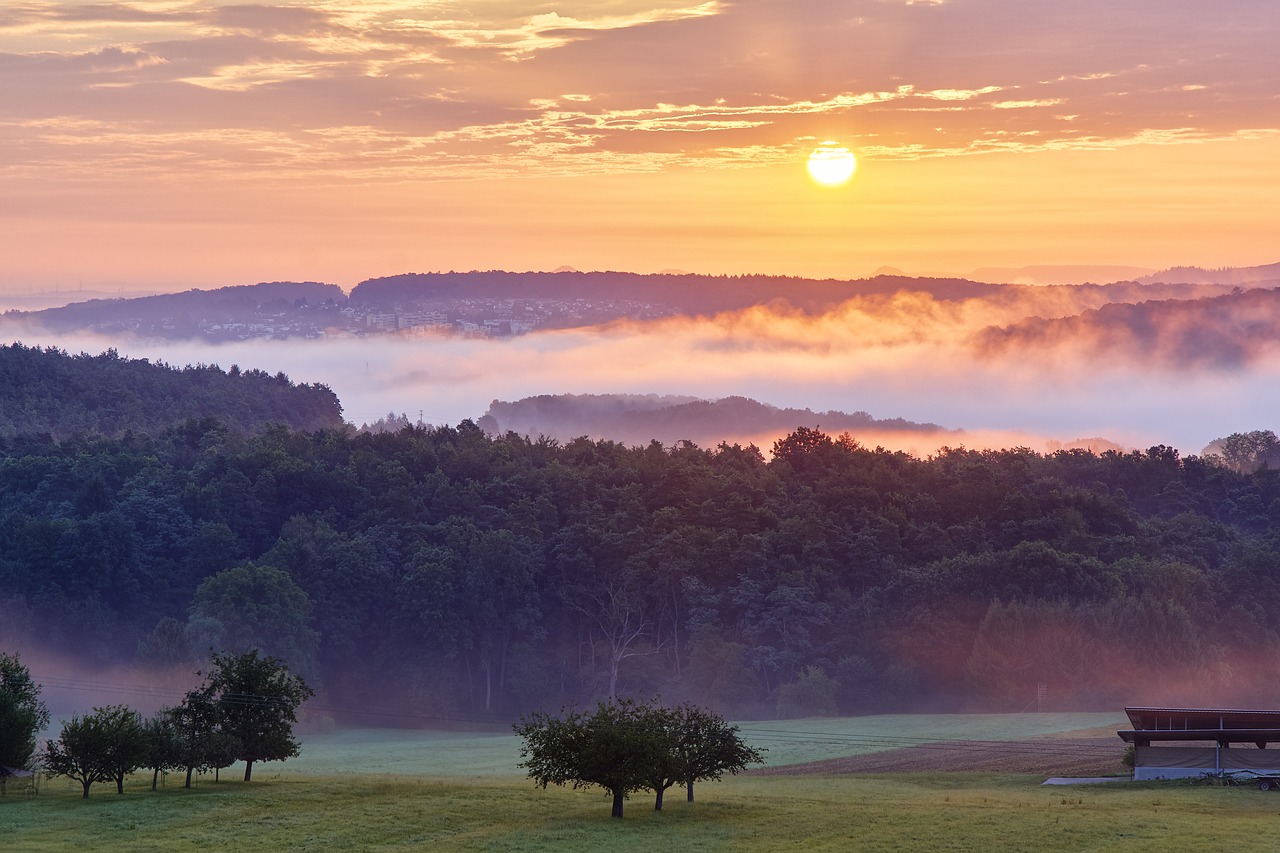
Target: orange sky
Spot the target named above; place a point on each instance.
(163, 143)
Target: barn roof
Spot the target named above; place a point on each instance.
(1223, 725)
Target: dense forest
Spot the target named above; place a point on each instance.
(52, 392)
(450, 573)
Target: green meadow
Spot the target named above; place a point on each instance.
(396, 790)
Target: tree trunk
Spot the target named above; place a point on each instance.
(248, 769)
(119, 783)
(155, 777)
(617, 802)
(690, 785)
(86, 784)
(657, 800)
(188, 784)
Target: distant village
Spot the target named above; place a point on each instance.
(472, 318)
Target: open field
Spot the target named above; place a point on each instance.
(388, 790)
(979, 812)
(787, 742)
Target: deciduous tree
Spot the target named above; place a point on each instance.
(706, 747)
(22, 714)
(617, 747)
(259, 699)
(106, 745)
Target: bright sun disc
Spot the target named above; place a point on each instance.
(831, 164)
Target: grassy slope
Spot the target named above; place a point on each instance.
(383, 790)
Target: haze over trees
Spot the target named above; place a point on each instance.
(446, 572)
(244, 710)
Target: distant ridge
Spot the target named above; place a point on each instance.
(1059, 274)
(224, 301)
(1265, 274)
(638, 419)
(688, 292)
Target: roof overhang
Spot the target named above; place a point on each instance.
(1223, 726)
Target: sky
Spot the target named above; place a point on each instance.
(165, 144)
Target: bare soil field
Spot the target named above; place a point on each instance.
(1089, 753)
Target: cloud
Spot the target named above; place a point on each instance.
(915, 79)
(1220, 333)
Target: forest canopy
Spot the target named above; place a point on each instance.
(52, 392)
(445, 572)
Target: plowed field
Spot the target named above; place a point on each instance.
(1065, 756)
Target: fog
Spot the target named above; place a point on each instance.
(985, 368)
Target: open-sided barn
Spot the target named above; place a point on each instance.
(1175, 743)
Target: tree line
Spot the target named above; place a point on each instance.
(244, 710)
(49, 392)
(445, 572)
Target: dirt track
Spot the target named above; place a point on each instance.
(1069, 756)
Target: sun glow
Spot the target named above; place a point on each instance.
(832, 164)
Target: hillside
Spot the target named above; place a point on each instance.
(1267, 273)
(187, 314)
(48, 391)
(639, 419)
(444, 572)
(686, 293)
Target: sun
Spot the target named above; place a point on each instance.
(831, 164)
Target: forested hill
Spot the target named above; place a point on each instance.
(444, 573)
(686, 292)
(48, 391)
(178, 313)
(637, 419)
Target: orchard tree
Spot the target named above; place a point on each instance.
(201, 744)
(258, 698)
(22, 715)
(164, 744)
(106, 745)
(706, 747)
(616, 747)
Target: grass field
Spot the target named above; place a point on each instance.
(785, 741)
(360, 791)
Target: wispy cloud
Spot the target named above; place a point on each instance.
(743, 68)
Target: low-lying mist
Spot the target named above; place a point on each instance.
(995, 369)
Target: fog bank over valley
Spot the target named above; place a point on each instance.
(1033, 366)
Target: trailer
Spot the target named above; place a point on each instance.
(1264, 781)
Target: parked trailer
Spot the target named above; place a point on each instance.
(1264, 781)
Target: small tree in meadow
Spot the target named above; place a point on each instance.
(706, 747)
(106, 745)
(616, 747)
(258, 698)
